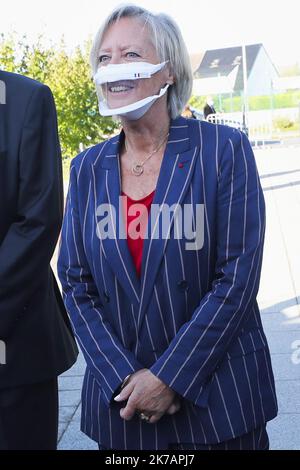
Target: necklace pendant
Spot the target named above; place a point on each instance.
(137, 170)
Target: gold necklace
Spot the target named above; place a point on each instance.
(138, 168)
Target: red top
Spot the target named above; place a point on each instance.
(136, 220)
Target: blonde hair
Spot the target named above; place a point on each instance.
(169, 45)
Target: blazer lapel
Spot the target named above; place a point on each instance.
(175, 175)
(115, 247)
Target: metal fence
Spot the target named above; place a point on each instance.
(260, 134)
(219, 118)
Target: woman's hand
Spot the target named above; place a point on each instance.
(146, 393)
(175, 406)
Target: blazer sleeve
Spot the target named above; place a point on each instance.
(30, 241)
(108, 360)
(201, 343)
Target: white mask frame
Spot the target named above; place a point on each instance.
(132, 71)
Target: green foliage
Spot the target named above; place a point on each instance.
(8, 53)
(69, 78)
(290, 71)
(289, 99)
(232, 105)
(76, 101)
(198, 102)
(285, 124)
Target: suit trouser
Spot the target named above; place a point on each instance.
(254, 440)
(29, 417)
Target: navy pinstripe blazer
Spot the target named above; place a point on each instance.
(192, 318)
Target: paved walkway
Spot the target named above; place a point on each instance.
(279, 295)
(279, 300)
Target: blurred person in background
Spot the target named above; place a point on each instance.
(209, 107)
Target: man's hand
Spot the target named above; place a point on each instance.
(148, 394)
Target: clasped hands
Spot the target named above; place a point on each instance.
(147, 396)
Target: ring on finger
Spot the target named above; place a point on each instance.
(144, 417)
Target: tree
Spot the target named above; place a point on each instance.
(8, 53)
(69, 77)
(80, 124)
(197, 102)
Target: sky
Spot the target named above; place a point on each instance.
(204, 25)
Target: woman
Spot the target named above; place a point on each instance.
(169, 327)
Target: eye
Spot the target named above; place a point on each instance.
(103, 58)
(132, 54)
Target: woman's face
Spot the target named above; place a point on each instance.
(124, 42)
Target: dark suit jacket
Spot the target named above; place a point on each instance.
(33, 322)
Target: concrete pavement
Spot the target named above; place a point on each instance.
(279, 299)
(279, 295)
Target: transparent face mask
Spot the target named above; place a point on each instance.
(125, 74)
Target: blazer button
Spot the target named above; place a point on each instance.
(183, 285)
(106, 297)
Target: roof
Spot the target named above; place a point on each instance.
(196, 59)
(215, 85)
(221, 62)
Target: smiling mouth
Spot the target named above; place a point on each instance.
(120, 87)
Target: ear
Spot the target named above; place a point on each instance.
(170, 80)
